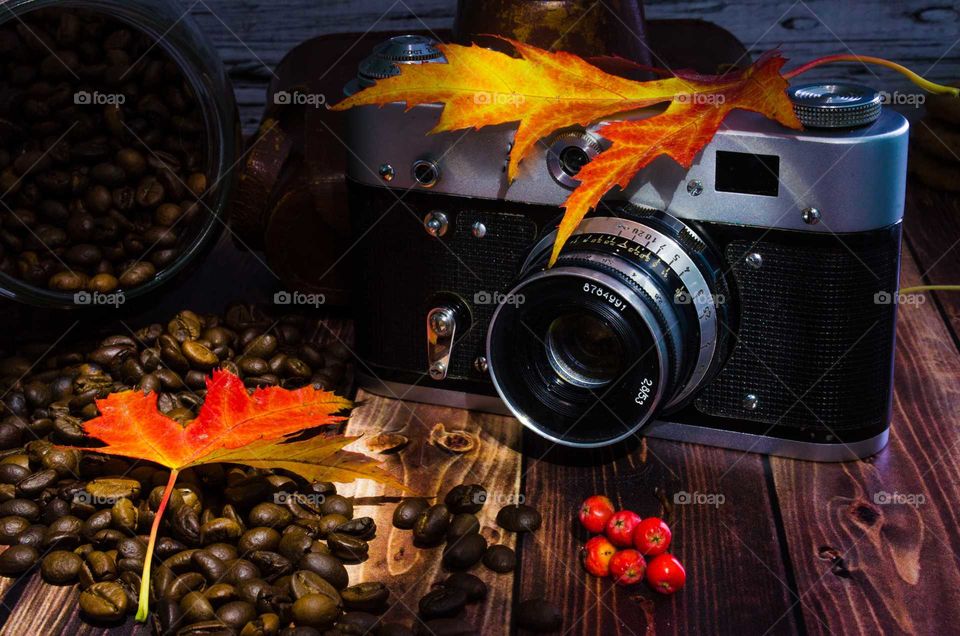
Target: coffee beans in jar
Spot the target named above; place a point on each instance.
(103, 157)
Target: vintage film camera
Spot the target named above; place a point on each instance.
(748, 302)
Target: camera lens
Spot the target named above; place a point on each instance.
(584, 350)
(573, 159)
(622, 328)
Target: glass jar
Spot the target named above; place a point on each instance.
(176, 34)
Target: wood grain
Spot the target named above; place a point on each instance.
(736, 577)
(430, 472)
(868, 567)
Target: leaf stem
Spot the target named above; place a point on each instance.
(927, 288)
(925, 84)
(143, 608)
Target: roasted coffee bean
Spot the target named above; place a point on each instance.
(464, 552)
(315, 610)
(263, 625)
(475, 589)
(330, 523)
(366, 597)
(221, 529)
(35, 536)
(261, 538)
(538, 615)
(303, 582)
(25, 508)
(442, 602)
(61, 567)
(463, 524)
(271, 564)
(431, 525)
(220, 593)
(361, 527)
(294, 545)
(328, 567)
(236, 614)
(466, 498)
(195, 607)
(407, 511)
(10, 529)
(347, 547)
(518, 518)
(137, 275)
(104, 601)
(240, 570)
(337, 505)
(252, 589)
(10, 437)
(269, 515)
(166, 616)
(18, 559)
(209, 566)
(500, 558)
(13, 473)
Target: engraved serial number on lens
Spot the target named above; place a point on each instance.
(600, 292)
(643, 394)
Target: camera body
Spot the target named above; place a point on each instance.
(748, 302)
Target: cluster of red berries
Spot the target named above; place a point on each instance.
(640, 539)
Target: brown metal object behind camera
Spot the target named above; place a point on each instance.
(292, 196)
(585, 27)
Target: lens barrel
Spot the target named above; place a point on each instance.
(625, 325)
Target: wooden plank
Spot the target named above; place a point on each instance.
(410, 571)
(736, 579)
(868, 567)
(932, 223)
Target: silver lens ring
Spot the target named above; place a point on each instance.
(626, 233)
(622, 293)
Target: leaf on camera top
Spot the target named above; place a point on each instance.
(544, 91)
(234, 426)
(680, 132)
(548, 91)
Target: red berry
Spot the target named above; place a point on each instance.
(665, 574)
(652, 536)
(620, 528)
(627, 567)
(596, 554)
(595, 512)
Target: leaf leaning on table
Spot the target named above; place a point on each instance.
(258, 429)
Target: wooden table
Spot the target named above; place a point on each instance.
(794, 547)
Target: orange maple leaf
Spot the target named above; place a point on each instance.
(542, 90)
(680, 132)
(234, 426)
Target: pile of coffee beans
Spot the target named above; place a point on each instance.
(455, 523)
(174, 360)
(102, 153)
